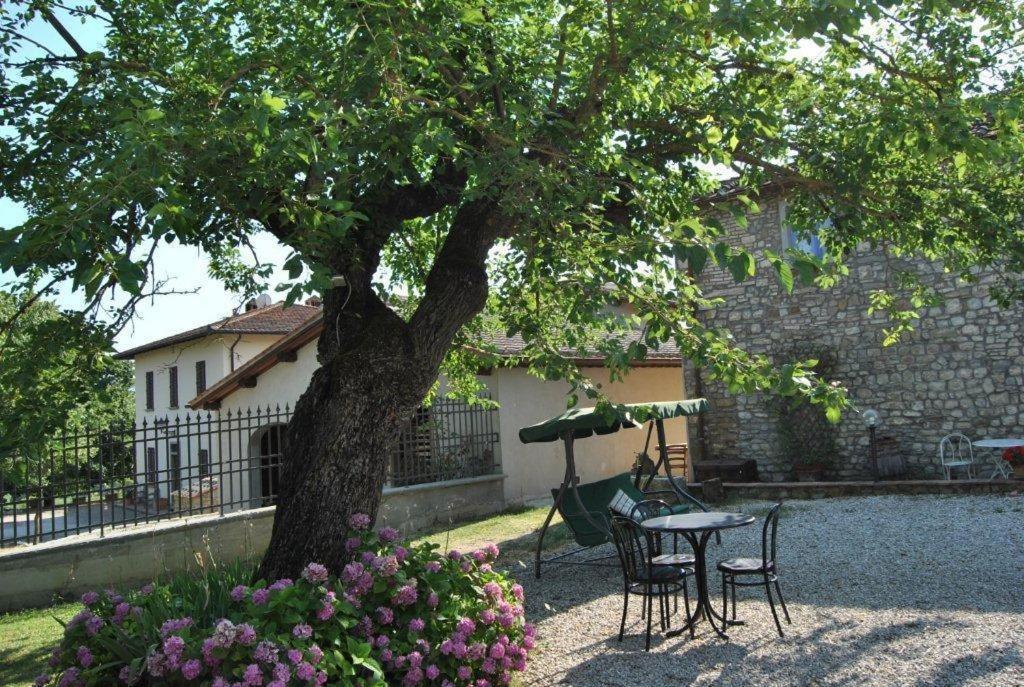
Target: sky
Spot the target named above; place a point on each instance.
(184, 268)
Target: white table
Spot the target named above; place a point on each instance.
(999, 467)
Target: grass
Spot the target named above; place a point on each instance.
(26, 637)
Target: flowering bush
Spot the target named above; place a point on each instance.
(1014, 455)
(395, 614)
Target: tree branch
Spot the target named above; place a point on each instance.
(64, 33)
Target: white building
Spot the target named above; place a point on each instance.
(213, 401)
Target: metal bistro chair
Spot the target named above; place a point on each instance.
(956, 451)
(636, 549)
(734, 569)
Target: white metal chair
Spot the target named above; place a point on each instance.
(956, 451)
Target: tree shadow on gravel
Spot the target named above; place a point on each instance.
(807, 659)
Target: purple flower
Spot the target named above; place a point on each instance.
(493, 589)
(260, 596)
(316, 654)
(41, 680)
(416, 625)
(89, 598)
(464, 672)
(253, 675)
(406, 595)
(174, 625)
(381, 641)
(294, 655)
(155, 664)
(352, 572)
(246, 634)
(69, 678)
(121, 612)
(326, 612)
(432, 672)
(497, 651)
(401, 553)
(388, 566)
(93, 625)
(465, 627)
(454, 555)
(487, 616)
(492, 550)
(433, 600)
(174, 646)
(239, 592)
(388, 534)
(127, 675)
(305, 671)
(283, 583)
(352, 543)
(385, 615)
(84, 656)
(359, 521)
(314, 572)
(265, 652)
(480, 556)
(146, 589)
(191, 669)
(433, 566)
(302, 631)
(282, 672)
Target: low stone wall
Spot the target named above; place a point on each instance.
(36, 575)
(819, 490)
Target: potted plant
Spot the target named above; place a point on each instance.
(1015, 457)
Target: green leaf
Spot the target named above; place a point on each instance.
(273, 102)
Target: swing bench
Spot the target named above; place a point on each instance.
(585, 507)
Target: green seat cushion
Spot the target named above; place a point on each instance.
(596, 496)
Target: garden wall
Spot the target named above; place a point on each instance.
(34, 576)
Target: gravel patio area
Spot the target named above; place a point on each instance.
(888, 590)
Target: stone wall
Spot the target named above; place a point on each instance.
(961, 371)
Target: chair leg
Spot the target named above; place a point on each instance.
(650, 612)
(725, 599)
(686, 605)
(771, 604)
(625, 607)
(782, 600)
(662, 603)
(733, 579)
(668, 610)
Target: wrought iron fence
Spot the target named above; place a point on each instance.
(208, 462)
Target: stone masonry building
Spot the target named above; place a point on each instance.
(961, 370)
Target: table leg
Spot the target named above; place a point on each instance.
(703, 608)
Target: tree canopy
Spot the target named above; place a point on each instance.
(393, 143)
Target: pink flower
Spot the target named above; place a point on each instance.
(465, 626)
(487, 616)
(492, 550)
(388, 534)
(84, 656)
(497, 651)
(191, 669)
(239, 592)
(493, 589)
(359, 521)
(314, 573)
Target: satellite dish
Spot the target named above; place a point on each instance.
(263, 300)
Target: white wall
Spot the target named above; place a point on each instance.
(534, 469)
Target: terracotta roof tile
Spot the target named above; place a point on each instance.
(273, 319)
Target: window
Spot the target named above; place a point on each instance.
(204, 462)
(200, 376)
(149, 390)
(172, 375)
(174, 459)
(151, 465)
(805, 241)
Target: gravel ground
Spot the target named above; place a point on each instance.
(889, 590)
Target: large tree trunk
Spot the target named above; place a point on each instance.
(375, 371)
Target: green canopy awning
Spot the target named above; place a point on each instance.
(585, 422)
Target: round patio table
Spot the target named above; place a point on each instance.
(697, 528)
(998, 467)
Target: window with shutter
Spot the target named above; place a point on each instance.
(200, 376)
(149, 391)
(173, 377)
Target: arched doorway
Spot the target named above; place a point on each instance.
(266, 450)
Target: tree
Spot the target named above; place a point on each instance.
(549, 156)
(57, 375)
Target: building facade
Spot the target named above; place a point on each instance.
(962, 370)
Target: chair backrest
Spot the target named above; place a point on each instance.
(649, 508)
(769, 535)
(633, 545)
(955, 448)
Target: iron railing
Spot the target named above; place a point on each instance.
(208, 462)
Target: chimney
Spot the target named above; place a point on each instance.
(250, 305)
(314, 301)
